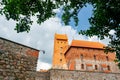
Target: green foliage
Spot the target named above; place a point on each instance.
(22, 10)
(106, 16)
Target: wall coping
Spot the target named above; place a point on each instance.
(18, 43)
(83, 71)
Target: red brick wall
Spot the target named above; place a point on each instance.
(91, 56)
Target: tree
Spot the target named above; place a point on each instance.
(105, 18)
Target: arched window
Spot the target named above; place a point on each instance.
(96, 67)
(60, 60)
(108, 67)
(61, 54)
(107, 58)
(82, 66)
(94, 57)
(81, 56)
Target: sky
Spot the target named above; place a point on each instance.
(42, 36)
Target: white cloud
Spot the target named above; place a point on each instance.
(96, 39)
(112, 32)
(43, 65)
(56, 10)
(93, 38)
(40, 37)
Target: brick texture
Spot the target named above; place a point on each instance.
(16, 61)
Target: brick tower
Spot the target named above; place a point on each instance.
(60, 46)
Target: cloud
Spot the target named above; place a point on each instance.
(112, 32)
(40, 37)
(43, 65)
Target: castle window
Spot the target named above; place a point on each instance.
(60, 59)
(108, 67)
(82, 66)
(61, 47)
(61, 54)
(107, 58)
(96, 67)
(81, 56)
(89, 67)
(94, 57)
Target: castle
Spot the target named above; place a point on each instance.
(82, 60)
(82, 55)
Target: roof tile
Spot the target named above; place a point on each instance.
(90, 44)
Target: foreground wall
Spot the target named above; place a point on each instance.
(82, 75)
(17, 61)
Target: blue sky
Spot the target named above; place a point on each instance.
(42, 36)
(84, 14)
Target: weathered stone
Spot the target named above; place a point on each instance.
(13, 63)
(1, 77)
(8, 66)
(12, 67)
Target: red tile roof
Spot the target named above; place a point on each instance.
(89, 44)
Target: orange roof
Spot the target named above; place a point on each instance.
(90, 44)
(61, 36)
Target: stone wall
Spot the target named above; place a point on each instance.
(57, 74)
(16, 61)
(42, 76)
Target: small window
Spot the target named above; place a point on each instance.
(81, 56)
(61, 47)
(108, 67)
(94, 57)
(60, 59)
(82, 66)
(107, 58)
(96, 67)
